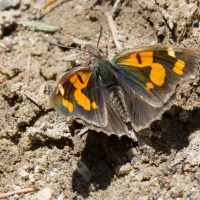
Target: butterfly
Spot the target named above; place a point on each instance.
(127, 93)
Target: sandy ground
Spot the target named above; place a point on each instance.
(39, 150)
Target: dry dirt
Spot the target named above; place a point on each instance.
(37, 147)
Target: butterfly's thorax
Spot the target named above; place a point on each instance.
(106, 74)
(110, 82)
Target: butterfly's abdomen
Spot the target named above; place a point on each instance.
(117, 99)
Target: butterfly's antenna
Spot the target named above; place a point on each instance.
(100, 34)
(65, 47)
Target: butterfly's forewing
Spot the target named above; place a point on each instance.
(78, 95)
(153, 72)
(149, 77)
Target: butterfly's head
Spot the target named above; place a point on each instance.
(93, 51)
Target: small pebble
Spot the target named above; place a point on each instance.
(139, 176)
(197, 176)
(44, 193)
(92, 187)
(39, 169)
(134, 160)
(83, 170)
(176, 192)
(131, 152)
(123, 169)
(24, 174)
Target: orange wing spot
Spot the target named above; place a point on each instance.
(62, 91)
(178, 67)
(157, 74)
(171, 52)
(149, 86)
(94, 105)
(82, 100)
(146, 59)
(80, 80)
(68, 105)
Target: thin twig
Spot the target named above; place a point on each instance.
(27, 71)
(20, 191)
(113, 30)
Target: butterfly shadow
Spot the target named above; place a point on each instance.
(102, 154)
